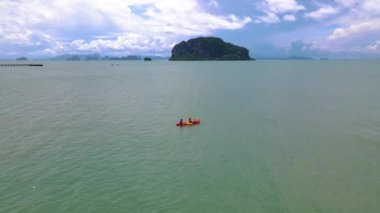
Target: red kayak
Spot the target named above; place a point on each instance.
(187, 123)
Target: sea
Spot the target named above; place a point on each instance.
(275, 136)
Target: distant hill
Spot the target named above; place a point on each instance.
(297, 57)
(22, 58)
(130, 57)
(158, 57)
(208, 48)
(95, 57)
(74, 58)
(64, 57)
(285, 58)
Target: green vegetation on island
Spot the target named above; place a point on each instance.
(208, 49)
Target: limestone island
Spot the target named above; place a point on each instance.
(208, 49)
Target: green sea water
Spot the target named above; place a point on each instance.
(276, 136)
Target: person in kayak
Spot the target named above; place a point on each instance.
(196, 121)
(190, 122)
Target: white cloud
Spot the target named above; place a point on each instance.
(356, 39)
(322, 13)
(269, 18)
(214, 3)
(375, 47)
(91, 25)
(344, 28)
(289, 18)
(347, 3)
(357, 11)
(356, 22)
(372, 6)
(282, 6)
(359, 29)
(272, 8)
(338, 33)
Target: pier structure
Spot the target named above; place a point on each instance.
(21, 65)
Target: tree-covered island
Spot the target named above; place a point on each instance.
(208, 49)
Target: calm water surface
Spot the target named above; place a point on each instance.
(277, 136)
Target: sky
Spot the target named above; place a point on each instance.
(268, 28)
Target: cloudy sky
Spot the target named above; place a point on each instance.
(269, 28)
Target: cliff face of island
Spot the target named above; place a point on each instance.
(207, 49)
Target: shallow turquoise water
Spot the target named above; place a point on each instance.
(276, 136)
